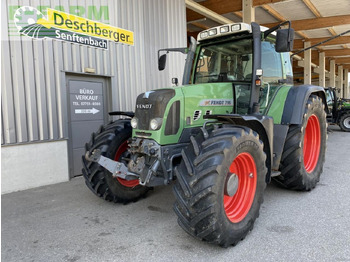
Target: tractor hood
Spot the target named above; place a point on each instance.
(163, 114)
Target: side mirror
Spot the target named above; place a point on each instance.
(161, 62)
(284, 40)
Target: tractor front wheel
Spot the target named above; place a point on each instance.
(344, 122)
(304, 149)
(220, 184)
(112, 141)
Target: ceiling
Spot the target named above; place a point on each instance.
(313, 20)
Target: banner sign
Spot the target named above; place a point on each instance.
(67, 27)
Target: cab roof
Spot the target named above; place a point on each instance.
(228, 29)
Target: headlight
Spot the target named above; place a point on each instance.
(134, 122)
(155, 123)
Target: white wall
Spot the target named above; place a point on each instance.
(33, 165)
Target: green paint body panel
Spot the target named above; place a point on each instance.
(215, 97)
(276, 107)
(345, 104)
(158, 135)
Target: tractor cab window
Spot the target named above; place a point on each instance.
(271, 64)
(329, 98)
(225, 62)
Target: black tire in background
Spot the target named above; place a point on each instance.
(204, 209)
(344, 122)
(304, 149)
(111, 139)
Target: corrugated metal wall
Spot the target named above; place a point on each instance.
(34, 99)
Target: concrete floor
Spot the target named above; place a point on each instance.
(66, 222)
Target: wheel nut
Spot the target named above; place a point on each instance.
(251, 175)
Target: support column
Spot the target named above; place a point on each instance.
(322, 70)
(307, 64)
(248, 11)
(332, 73)
(340, 80)
(346, 84)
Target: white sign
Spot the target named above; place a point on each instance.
(87, 111)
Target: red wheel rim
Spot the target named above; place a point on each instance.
(118, 154)
(238, 205)
(312, 143)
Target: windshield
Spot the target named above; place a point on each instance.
(225, 62)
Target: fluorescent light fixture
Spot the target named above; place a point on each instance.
(224, 29)
(204, 34)
(236, 27)
(213, 32)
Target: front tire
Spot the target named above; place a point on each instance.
(112, 140)
(344, 122)
(304, 149)
(203, 204)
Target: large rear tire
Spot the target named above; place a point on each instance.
(209, 209)
(344, 122)
(304, 149)
(112, 141)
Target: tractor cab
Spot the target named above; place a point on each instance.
(226, 54)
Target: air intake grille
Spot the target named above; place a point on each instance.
(197, 115)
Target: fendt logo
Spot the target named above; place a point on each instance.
(68, 27)
(144, 106)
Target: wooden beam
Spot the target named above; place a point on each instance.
(315, 23)
(200, 9)
(217, 6)
(312, 8)
(345, 60)
(239, 14)
(346, 66)
(329, 53)
(315, 11)
(204, 27)
(298, 43)
(337, 52)
(248, 11)
(298, 70)
(224, 7)
(273, 12)
(279, 17)
(334, 33)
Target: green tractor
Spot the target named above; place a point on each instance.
(339, 109)
(236, 123)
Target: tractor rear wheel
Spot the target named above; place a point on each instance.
(344, 122)
(304, 149)
(112, 140)
(220, 184)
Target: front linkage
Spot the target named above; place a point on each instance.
(150, 163)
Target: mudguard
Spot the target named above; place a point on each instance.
(263, 125)
(296, 100)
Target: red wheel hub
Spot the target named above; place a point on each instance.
(238, 205)
(128, 183)
(312, 143)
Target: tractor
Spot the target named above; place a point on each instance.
(235, 124)
(339, 109)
